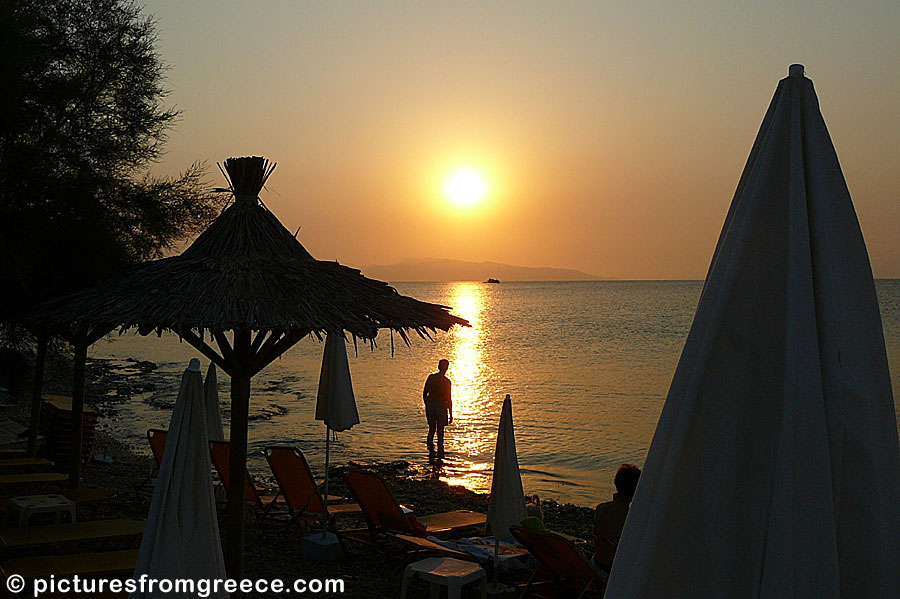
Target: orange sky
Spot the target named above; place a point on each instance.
(612, 135)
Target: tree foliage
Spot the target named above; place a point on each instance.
(82, 119)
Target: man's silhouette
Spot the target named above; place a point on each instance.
(438, 406)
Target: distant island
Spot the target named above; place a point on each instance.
(415, 269)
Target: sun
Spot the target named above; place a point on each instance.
(465, 187)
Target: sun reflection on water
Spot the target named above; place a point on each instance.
(469, 372)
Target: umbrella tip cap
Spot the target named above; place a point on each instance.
(194, 365)
(796, 70)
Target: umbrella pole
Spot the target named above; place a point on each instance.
(325, 497)
(496, 560)
(237, 472)
(37, 393)
(78, 366)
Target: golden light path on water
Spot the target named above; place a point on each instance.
(468, 371)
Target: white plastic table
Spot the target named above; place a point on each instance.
(29, 505)
(447, 571)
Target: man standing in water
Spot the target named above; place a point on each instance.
(438, 406)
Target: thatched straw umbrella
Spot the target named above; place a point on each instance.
(249, 275)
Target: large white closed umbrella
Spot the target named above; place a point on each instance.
(775, 467)
(181, 537)
(335, 402)
(506, 505)
(213, 412)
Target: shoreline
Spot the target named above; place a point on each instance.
(275, 552)
(131, 393)
(107, 387)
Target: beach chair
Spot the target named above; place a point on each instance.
(298, 487)
(383, 513)
(562, 570)
(17, 539)
(156, 438)
(220, 452)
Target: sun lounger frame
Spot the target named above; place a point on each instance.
(396, 520)
(299, 507)
(562, 562)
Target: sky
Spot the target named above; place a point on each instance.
(610, 135)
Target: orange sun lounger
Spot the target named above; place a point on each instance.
(157, 439)
(562, 569)
(220, 452)
(298, 486)
(384, 514)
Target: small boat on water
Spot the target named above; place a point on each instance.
(492, 281)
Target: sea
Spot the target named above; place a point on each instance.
(586, 364)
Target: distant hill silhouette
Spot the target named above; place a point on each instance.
(414, 269)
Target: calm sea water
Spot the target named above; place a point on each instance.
(587, 364)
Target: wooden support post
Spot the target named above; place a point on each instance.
(201, 346)
(78, 367)
(37, 393)
(240, 409)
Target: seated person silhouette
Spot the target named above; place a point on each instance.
(609, 519)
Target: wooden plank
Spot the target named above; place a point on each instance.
(32, 478)
(54, 534)
(63, 403)
(93, 564)
(451, 520)
(13, 464)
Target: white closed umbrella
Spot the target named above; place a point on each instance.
(213, 413)
(506, 505)
(181, 537)
(335, 402)
(775, 467)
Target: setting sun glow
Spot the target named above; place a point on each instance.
(465, 187)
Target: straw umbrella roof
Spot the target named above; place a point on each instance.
(246, 271)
